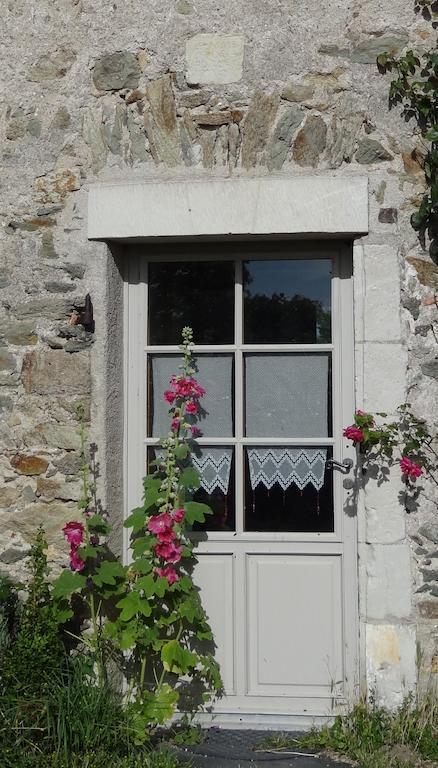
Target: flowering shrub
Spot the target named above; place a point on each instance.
(147, 616)
(405, 440)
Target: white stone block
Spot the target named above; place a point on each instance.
(389, 581)
(384, 376)
(214, 58)
(390, 663)
(381, 293)
(385, 515)
(359, 291)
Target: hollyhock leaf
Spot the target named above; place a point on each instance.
(141, 566)
(136, 520)
(177, 659)
(190, 478)
(88, 551)
(159, 706)
(151, 482)
(142, 545)
(67, 583)
(128, 637)
(151, 586)
(181, 451)
(130, 606)
(150, 497)
(108, 573)
(195, 512)
(96, 524)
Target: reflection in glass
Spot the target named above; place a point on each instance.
(288, 395)
(198, 294)
(287, 301)
(288, 489)
(215, 374)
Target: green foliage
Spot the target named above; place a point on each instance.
(415, 87)
(8, 614)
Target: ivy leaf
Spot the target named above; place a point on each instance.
(108, 573)
(190, 478)
(67, 583)
(195, 512)
(136, 520)
(177, 659)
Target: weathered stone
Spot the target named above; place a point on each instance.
(52, 65)
(214, 58)
(52, 516)
(428, 609)
(430, 368)
(343, 136)
(134, 96)
(5, 278)
(34, 127)
(11, 555)
(192, 99)
(59, 436)
(371, 151)
(331, 49)
(94, 137)
(53, 286)
(368, 50)
(115, 135)
(53, 372)
(160, 122)
(31, 225)
(6, 404)
(379, 192)
(218, 118)
(207, 139)
(49, 490)
(427, 271)
(138, 141)
(310, 142)
(54, 187)
(234, 138)
(257, 126)
(47, 247)
(297, 92)
(429, 575)
(429, 531)
(281, 141)
(51, 308)
(8, 495)
(7, 360)
(388, 216)
(61, 119)
(114, 71)
(16, 129)
(47, 210)
(412, 305)
(26, 464)
(76, 271)
(184, 7)
(28, 494)
(18, 333)
(70, 464)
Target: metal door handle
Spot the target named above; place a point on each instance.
(342, 466)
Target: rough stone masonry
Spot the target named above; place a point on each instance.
(96, 90)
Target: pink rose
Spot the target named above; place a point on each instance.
(169, 396)
(159, 523)
(169, 573)
(76, 562)
(74, 533)
(354, 433)
(410, 468)
(178, 515)
(170, 552)
(191, 407)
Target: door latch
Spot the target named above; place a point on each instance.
(343, 466)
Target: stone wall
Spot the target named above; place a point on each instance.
(106, 90)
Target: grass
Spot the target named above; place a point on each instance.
(98, 759)
(372, 737)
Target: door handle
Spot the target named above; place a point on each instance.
(343, 466)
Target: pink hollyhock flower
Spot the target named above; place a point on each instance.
(195, 431)
(170, 552)
(167, 536)
(74, 533)
(178, 515)
(191, 407)
(353, 433)
(159, 523)
(175, 425)
(410, 468)
(197, 390)
(169, 396)
(76, 562)
(169, 573)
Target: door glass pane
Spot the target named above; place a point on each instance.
(288, 489)
(215, 465)
(287, 301)
(288, 395)
(198, 294)
(215, 375)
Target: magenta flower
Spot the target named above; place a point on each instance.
(354, 433)
(410, 468)
(166, 536)
(169, 551)
(159, 523)
(195, 431)
(178, 515)
(74, 533)
(169, 573)
(169, 396)
(175, 425)
(76, 562)
(191, 407)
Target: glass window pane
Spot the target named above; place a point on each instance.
(288, 489)
(215, 375)
(287, 301)
(216, 468)
(198, 294)
(288, 395)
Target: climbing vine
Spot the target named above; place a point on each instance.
(415, 87)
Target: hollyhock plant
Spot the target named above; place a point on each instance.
(160, 523)
(178, 515)
(409, 468)
(169, 551)
(74, 533)
(76, 562)
(353, 433)
(191, 407)
(169, 573)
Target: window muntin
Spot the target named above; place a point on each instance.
(244, 382)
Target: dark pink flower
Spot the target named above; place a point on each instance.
(169, 396)
(166, 536)
(178, 515)
(175, 425)
(169, 551)
(169, 573)
(76, 562)
(410, 468)
(159, 523)
(74, 533)
(195, 431)
(191, 407)
(354, 433)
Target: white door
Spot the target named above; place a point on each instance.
(273, 328)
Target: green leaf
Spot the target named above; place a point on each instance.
(96, 524)
(150, 497)
(432, 135)
(141, 566)
(159, 706)
(151, 482)
(190, 478)
(141, 545)
(133, 604)
(151, 585)
(181, 451)
(128, 636)
(108, 573)
(136, 520)
(67, 583)
(177, 659)
(195, 512)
